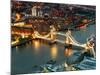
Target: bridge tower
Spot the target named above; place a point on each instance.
(68, 39)
(90, 48)
(53, 34)
(89, 45)
(33, 35)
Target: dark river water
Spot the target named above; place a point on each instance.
(39, 52)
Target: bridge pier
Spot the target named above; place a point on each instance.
(53, 34)
(68, 41)
(53, 37)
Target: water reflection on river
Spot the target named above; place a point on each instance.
(36, 44)
(53, 51)
(68, 52)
